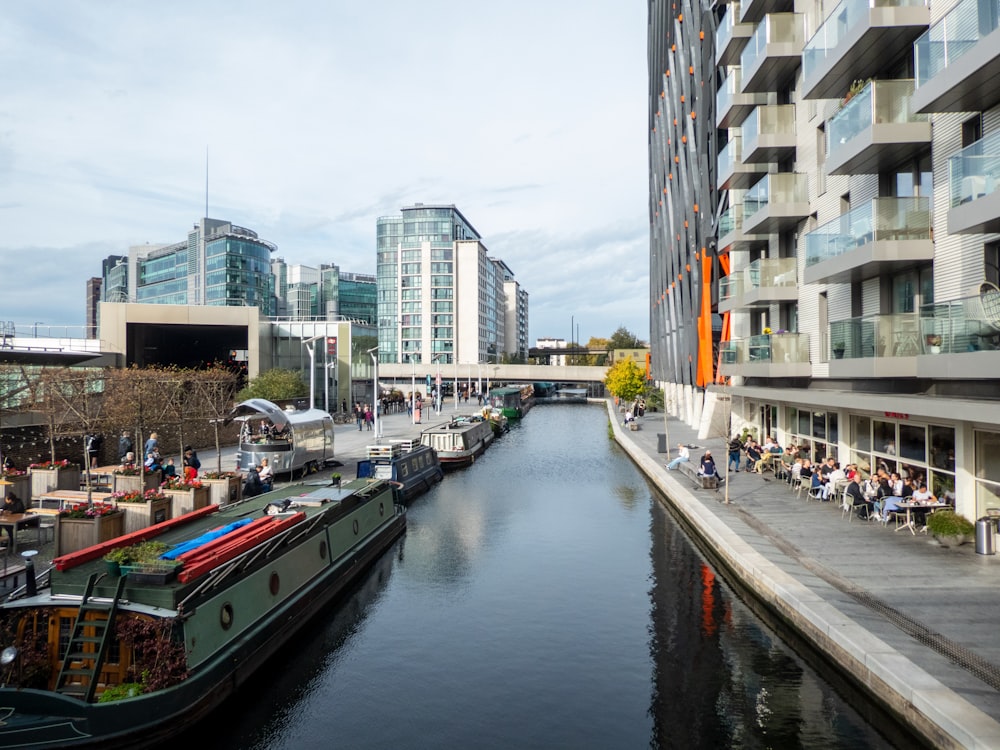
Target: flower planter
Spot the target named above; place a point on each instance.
(45, 480)
(19, 485)
(134, 482)
(184, 501)
(223, 491)
(73, 534)
(140, 515)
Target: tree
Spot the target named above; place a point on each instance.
(625, 339)
(595, 344)
(625, 380)
(275, 385)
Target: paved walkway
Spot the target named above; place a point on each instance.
(918, 623)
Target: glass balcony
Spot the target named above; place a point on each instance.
(731, 36)
(968, 324)
(752, 11)
(773, 54)
(967, 33)
(773, 355)
(855, 40)
(882, 236)
(769, 134)
(730, 230)
(777, 202)
(875, 336)
(731, 105)
(732, 172)
(974, 187)
(876, 129)
(730, 289)
(762, 283)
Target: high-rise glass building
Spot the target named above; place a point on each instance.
(441, 297)
(218, 264)
(825, 229)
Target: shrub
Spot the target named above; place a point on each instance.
(949, 523)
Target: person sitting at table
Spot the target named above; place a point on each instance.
(819, 486)
(753, 453)
(925, 497)
(862, 506)
(837, 478)
(11, 504)
(888, 499)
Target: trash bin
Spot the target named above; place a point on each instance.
(985, 536)
(661, 442)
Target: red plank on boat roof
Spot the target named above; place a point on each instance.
(85, 555)
(226, 552)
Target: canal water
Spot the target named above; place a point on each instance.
(544, 598)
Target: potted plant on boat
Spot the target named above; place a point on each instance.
(186, 494)
(143, 509)
(224, 487)
(83, 525)
(335, 479)
(148, 565)
(53, 475)
(949, 528)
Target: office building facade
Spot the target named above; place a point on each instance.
(825, 229)
(441, 297)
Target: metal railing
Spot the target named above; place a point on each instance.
(873, 336)
(773, 348)
(974, 171)
(950, 37)
(881, 219)
(878, 102)
(967, 324)
(776, 28)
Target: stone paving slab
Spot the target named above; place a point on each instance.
(902, 612)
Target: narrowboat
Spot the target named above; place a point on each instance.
(94, 659)
(513, 401)
(500, 422)
(459, 441)
(292, 440)
(412, 468)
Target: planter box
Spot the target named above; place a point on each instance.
(152, 575)
(136, 483)
(140, 515)
(46, 480)
(184, 501)
(20, 486)
(73, 534)
(224, 491)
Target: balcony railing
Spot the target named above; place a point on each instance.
(968, 324)
(774, 122)
(952, 36)
(774, 348)
(779, 188)
(881, 219)
(731, 287)
(833, 31)
(729, 89)
(729, 156)
(882, 102)
(726, 25)
(771, 272)
(974, 172)
(731, 219)
(776, 28)
(875, 336)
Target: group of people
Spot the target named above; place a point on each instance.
(706, 464)
(153, 462)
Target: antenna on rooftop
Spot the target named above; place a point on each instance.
(206, 181)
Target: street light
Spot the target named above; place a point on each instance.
(34, 328)
(437, 382)
(375, 391)
(413, 389)
(308, 343)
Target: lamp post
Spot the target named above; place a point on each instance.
(375, 392)
(456, 383)
(310, 345)
(413, 389)
(437, 382)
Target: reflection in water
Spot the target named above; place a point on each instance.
(542, 598)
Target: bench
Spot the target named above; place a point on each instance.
(633, 425)
(700, 482)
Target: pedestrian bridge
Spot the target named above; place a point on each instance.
(490, 372)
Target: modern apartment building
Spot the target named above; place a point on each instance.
(825, 228)
(441, 298)
(218, 264)
(305, 292)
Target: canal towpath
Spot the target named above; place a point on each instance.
(912, 621)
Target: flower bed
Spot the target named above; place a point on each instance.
(143, 509)
(53, 475)
(130, 482)
(186, 499)
(84, 526)
(223, 487)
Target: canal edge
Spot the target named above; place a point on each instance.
(941, 717)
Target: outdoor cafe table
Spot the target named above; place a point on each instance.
(911, 522)
(59, 499)
(100, 474)
(14, 522)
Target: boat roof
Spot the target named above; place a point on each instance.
(307, 503)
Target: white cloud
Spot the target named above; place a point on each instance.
(319, 118)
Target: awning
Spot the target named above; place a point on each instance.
(261, 406)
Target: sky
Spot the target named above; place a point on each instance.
(307, 121)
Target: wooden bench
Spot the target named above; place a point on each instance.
(700, 482)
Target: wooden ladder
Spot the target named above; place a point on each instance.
(88, 642)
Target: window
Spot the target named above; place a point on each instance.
(972, 130)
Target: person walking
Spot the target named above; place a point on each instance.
(369, 417)
(94, 443)
(734, 453)
(359, 415)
